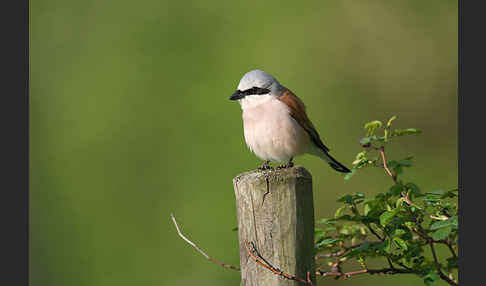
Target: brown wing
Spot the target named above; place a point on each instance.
(297, 111)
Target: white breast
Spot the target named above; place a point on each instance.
(270, 132)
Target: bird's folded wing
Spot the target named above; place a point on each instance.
(297, 111)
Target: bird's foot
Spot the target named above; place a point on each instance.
(289, 164)
(265, 166)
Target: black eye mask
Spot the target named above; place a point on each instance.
(255, 90)
(252, 91)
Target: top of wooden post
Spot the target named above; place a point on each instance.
(283, 174)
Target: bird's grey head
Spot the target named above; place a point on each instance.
(257, 82)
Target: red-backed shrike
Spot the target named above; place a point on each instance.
(275, 123)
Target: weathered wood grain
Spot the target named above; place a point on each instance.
(276, 212)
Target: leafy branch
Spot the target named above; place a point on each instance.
(397, 225)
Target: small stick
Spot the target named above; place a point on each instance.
(199, 249)
(252, 251)
(437, 265)
(363, 271)
(382, 152)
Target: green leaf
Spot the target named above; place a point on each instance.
(415, 190)
(442, 233)
(387, 127)
(319, 234)
(452, 263)
(399, 232)
(339, 211)
(406, 162)
(436, 192)
(397, 166)
(431, 198)
(366, 209)
(450, 194)
(345, 218)
(361, 155)
(359, 195)
(431, 278)
(372, 126)
(440, 224)
(399, 202)
(348, 199)
(328, 241)
(396, 189)
(327, 221)
(452, 222)
(234, 229)
(387, 246)
(360, 158)
(388, 124)
(363, 246)
(400, 242)
(386, 217)
(408, 131)
(349, 175)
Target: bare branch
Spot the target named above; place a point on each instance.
(199, 249)
(406, 199)
(449, 245)
(368, 225)
(390, 271)
(253, 252)
(420, 231)
(437, 265)
(385, 166)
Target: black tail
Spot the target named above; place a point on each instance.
(336, 165)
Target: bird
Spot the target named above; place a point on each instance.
(275, 123)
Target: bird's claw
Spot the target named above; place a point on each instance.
(285, 166)
(265, 166)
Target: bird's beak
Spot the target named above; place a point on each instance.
(237, 95)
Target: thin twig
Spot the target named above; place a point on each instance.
(253, 252)
(437, 265)
(406, 199)
(390, 271)
(390, 263)
(385, 166)
(449, 245)
(431, 242)
(199, 249)
(388, 259)
(374, 232)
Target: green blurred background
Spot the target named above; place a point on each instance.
(130, 120)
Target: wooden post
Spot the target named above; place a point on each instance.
(276, 213)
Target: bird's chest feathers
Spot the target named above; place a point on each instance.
(264, 117)
(270, 132)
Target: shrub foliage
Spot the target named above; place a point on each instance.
(403, 226)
